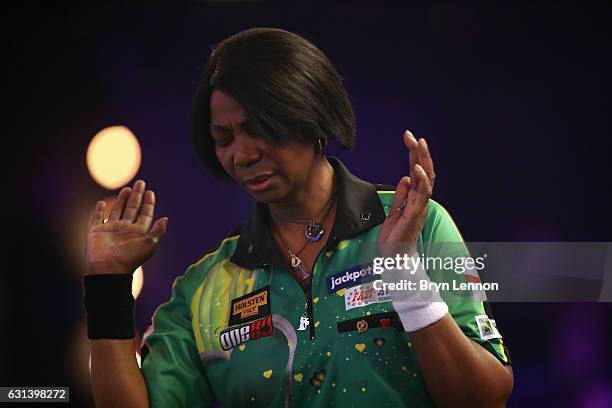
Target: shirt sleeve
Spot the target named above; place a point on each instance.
(442, 239)
(171, 366)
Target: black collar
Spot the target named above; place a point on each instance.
(358, 210)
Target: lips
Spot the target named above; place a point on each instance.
(259, 182)
(258, 179)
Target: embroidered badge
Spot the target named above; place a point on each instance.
(362, 326)
(251, 306)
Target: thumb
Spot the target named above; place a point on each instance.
(158, 230)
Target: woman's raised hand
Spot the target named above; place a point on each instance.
(410, 205)
(129, 237)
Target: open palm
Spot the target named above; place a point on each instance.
(129, 237)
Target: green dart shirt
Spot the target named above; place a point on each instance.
(239, 329)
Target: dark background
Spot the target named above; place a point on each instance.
(514, 102)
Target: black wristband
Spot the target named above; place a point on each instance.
(110, 306)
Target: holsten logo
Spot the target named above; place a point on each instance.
(234, 336)
(358, 274)
(251, 306)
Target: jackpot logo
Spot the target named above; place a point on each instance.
(350, 277)
(235, 336)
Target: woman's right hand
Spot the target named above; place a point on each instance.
(129, 237)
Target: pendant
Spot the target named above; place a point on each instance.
(314, 231)
(296, 262)
(298, 267)
(302, 273)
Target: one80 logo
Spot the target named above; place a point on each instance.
(254, 330)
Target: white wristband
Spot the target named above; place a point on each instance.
(416, 307)
(418, 315)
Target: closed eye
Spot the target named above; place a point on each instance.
(223, 135)
(222, 141)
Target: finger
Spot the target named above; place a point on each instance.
(145, 217)
(416, 180)
(425, 160)
(134, 202)
(401, 195)
(158, 230)
(413, 157)
(119, 204)
(97, 214)
(424, 190)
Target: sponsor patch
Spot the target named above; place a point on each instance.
(363, 295)
(237, 335)
(357, 274)
(487, 328)
(251, 306)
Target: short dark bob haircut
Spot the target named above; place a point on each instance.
(287, 86)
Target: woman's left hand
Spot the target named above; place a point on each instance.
(409, 210)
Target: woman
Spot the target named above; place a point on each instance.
(283, 311)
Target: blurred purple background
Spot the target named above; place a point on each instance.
(514, 102)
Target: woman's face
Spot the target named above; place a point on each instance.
(270, 173)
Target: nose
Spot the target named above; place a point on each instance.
(246, 152)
